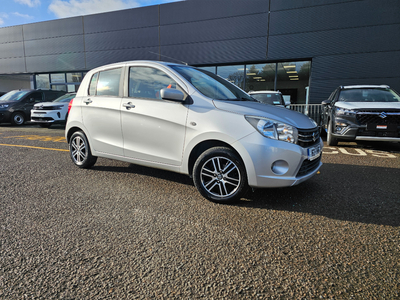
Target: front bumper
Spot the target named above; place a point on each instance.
(47, 117)
(271, 163)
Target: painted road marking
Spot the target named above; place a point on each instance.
(39, 138)
(356, 152)
(33, 147)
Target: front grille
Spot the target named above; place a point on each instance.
(308, 137)
(308, 166)
(381, 117)
(47, 107)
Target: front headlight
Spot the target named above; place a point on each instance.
(3, 105)
(345, 112)
(273, 129)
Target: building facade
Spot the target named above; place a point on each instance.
(304, 48)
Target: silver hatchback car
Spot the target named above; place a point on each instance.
(187, 120)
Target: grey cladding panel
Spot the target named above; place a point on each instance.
(213, 30)
(12, 65)
(231, 51)
(100, 58)
(56, 28)
(9, 50)
(132, 38)
(320, 43)
(352, 66)
(54, 45)
(123, 19)
(11, 34)
(330, 17)
(293, 4)
(56, 63)
(190, 11)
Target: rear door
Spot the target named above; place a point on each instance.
(101, 111)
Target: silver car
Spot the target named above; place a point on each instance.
(187, 120)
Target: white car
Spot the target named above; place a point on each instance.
(47, 113)
(269, 97)
(187, 120)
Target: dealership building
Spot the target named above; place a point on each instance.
(305, 49)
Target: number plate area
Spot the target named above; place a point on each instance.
(314, 152)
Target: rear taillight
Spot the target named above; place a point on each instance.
(70, 104)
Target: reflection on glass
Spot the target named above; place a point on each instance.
(59, 87)
(293, 80)
(57, 78)
(209, 69)
(260, 77)
(74, 77)
(72, 87)
(234, 74)
(42, 81)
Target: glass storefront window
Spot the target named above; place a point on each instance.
(59, 87)
(74, 77)
(293, 80)
(210, 69)
(234, 74)
(43, 81)
(260, 77)
(57, 78)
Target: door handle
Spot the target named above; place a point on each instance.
(87, 101)
(128, 105)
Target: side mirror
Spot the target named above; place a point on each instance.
(172, 94)
(326, 102)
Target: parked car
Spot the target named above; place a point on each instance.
(187, 120)
(47, 113)
(15, 106)
(361, 113)
(269, 97)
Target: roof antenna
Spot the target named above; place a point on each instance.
(169, 57)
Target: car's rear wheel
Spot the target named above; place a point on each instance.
(17, 118)
(219, 175)
(331, 140)
(79, 150)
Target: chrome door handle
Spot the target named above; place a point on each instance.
(128, 105)
(87, 101)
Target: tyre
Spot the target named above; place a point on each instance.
(219, 175)
(79, 151)
(17, 118)
(331, 140)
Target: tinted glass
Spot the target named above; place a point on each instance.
(93, 84)
(65, 98)
(43, 81)
(108, 83)
(369, 95)
(13, 96)
(37, 97)
(234, 74)
(146, 82)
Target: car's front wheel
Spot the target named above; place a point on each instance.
(219, 175)
(17, 118)
(79, 151)
(330, 139)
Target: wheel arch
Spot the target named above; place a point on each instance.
(72, 130)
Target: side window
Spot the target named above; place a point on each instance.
(146, 82)
(93, 84)
(108, 83)
(37, 97)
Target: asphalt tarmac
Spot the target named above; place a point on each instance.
(121, 231)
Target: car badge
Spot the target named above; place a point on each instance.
(314, 137)
(383, 115)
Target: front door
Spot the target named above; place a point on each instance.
(153, 129)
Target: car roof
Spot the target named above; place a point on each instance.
(264, 92)
(365, 87)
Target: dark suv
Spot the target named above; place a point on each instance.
(15, 106)
(361, 112)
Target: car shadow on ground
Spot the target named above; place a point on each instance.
(344, 192)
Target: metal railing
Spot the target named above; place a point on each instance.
(311, 110)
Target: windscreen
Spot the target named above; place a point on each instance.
(369, 95)
(13, 96)
(211, 85)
